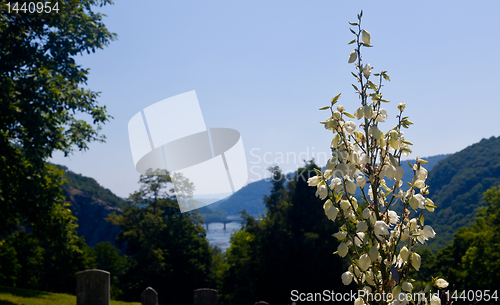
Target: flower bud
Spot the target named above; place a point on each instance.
(340, 108)
(401, 106)
(342, 249)
(368, 111)
(353, 56)
(365, 36)
(332, 213)
(364, 262)
(361, 226)
(347, 278)
(440, 283)
(407, 286)
(350, 187)
(341, 235)
(361, 181)
(416, 260)
(367, 70)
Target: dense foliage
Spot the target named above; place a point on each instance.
(472, 260)
(166, 249)
(41, 96)
(290, 248)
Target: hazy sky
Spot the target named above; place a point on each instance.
(265, 67)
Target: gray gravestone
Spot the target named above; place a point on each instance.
(92, 287)
(205, 296)
(149, 297)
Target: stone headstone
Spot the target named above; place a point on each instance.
(92, 287)
(149, 297)
(205, 296)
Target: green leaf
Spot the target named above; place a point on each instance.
(385, 101)
(406, 142)
(422, 161)
(352, 31)
(347, 114)
(409, 164)
(376, 74)
(353, 23)
(355, 87)
(335, 99)
(372, 85)
(386, 76)
(422, 220)
(352, 41)
(354, 74)
(324, 108)
(393, 161)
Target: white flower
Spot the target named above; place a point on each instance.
(416, 260)
(390, 172)
(422, 173)
(440, 283)
(420, 184)
(365, 36)
(353, 56)
(332, 213)
(340, 235)
(368, 111)
(340, 108)
(342, 249)
(358, 113)
(367, 70)
(361, 181)
(404, 253)
(382, 114)
(359, 301)
(364, 262)
(350, 187)
(399, 173)
(429, 232)
(359, 238)
(336, 184)
(350, 126)
(313, 181)
(435, 300)
(322, 192)
(347, 277)
(344, 204)
(393, 216)
(408, 287)
(417, 201)
(361, 226)
(366, 213)
(381, 228)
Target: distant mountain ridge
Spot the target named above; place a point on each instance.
(91, 204)
(457, 184)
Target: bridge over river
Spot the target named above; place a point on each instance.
(223, 221)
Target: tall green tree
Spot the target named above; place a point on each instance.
(41, 98)
(290, 248)
(165, 249)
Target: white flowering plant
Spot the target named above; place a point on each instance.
(377, 242)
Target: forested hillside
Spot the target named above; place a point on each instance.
(457, 186)
(91, 204)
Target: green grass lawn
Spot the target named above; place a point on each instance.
(17, 296)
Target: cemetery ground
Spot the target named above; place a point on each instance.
(17, 296)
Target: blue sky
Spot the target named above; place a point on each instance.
(265, 67)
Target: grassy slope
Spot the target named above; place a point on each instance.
(17, 296)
